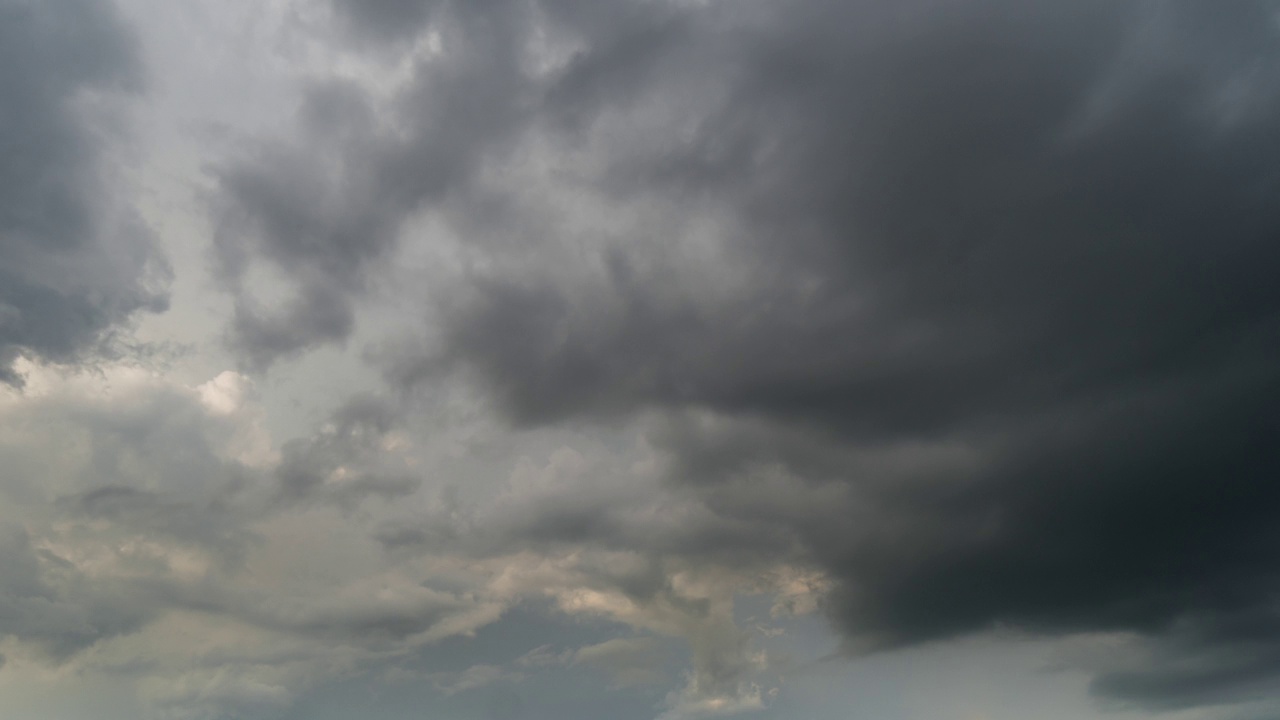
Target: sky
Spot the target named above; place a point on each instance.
(639, 359)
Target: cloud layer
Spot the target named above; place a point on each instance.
(659, 325)
(969, 304)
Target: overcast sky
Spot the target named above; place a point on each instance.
(639, 359)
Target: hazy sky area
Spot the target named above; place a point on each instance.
(639, 359)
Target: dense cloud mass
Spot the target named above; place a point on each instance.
(992, 279)
(584, 349)
(74, 258)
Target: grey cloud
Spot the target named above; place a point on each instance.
(284, 196)
(1218, 660)
(1221, 680)
(75, 260)
(45, 601)
(356, 618)
(857, 239)
(140, 445)
(347, 461)
(317, 314)
(365, 622)
(1038, 234)
(584, 502)
(147, 461)
(970, 303)
(137, 508)
(122, 495)
(387, 19)
(326, 209)
(214, 525)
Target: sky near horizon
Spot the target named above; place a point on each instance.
(639, 359)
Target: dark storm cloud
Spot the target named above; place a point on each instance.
(991, 325)
(74, 261)
(1048, 212)
(1027, 233)
(1236, 662)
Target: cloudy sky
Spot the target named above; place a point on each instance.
(639, 359)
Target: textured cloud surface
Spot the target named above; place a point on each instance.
(74, 257)
(690, 354)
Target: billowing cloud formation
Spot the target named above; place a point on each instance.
(967, 305)
(75, 260)
(582, 349)
(326, 209)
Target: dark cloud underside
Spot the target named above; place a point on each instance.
(74, 261)
(1037, 236)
